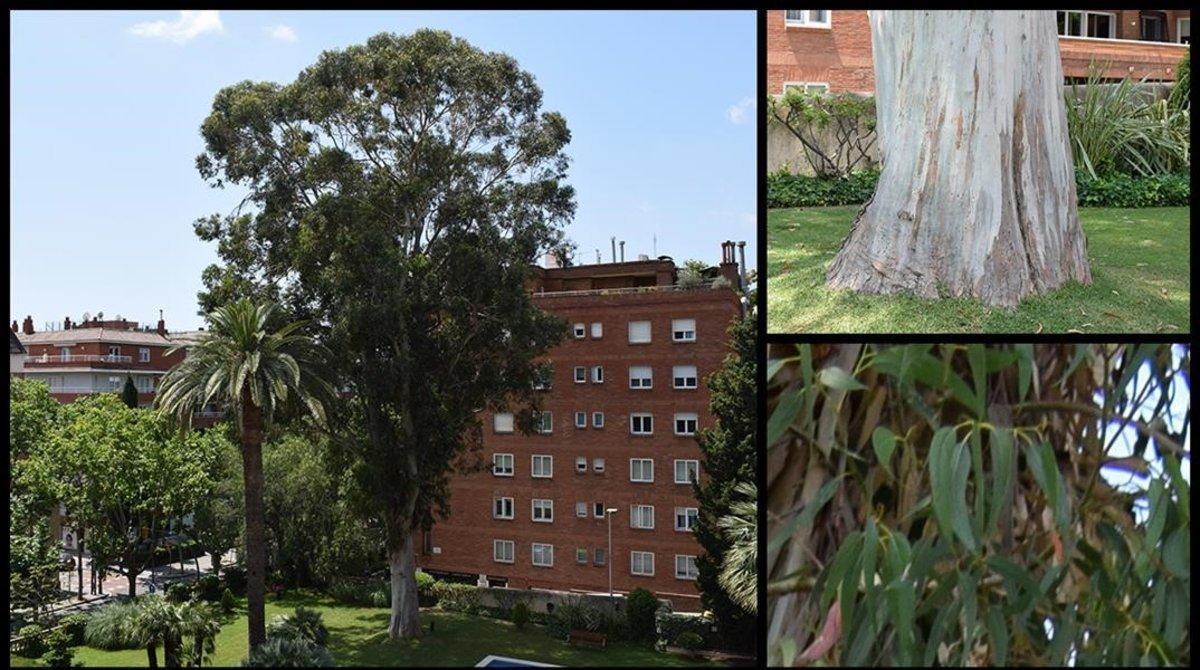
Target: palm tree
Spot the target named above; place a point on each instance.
(155, 622)
(202, 623)
(739, 577)
(240, 363)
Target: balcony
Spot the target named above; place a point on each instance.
(86, 360)
(707, 284)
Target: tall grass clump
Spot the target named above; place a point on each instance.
(111, 627)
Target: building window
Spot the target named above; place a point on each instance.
(502, 551)
(641, 470)
(545, 422)
(685, 567)
(581, 419)
(581, 555)
(543, 466)
(806, 87)
(502, 465)
(806, 18)
(683, 330)
(641, 424)
(641, 516)
(684, 376)
(144, 384)
(639, 332)
(598, 510)
(599, 557)
(581, 510)
(144, 355)
(1183, 30)
(597, 465)
(114, 350)
(597, 330)
(580, 374)
(686, 471)
(641, 377)
(1087, 24)
(502, 508)
(598, 374)
(641, 563)
(1154, 27)
(685, 518)
(543, 555)
(581, 464)
(685, 424)
(503, 422)
(115, 383)
(597, 419)
(579, 331)
(543, 510)
(64, 354)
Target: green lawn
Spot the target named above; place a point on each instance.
(1140, 282)
(357, 637)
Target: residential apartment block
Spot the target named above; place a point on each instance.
(830, 50)
(616, 445)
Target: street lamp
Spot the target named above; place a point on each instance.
(608, 514)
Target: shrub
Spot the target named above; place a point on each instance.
(58, 650)
(836, 130)
(520, 615)
(425, 582)
(689, 640)
(454, 597)
(303, 623)
(640, 606)
(75, 625)
(110, 626)
(1181, 94)
(689, 278)
(361, 593)
(288, 652)
(788, 190)
(208, 588)
(227, 601)
(670, 626)
(179, 592)
(35, 642)
(235, 579)
(381, 598)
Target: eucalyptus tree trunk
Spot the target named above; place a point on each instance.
(405, 621)
(977, 191)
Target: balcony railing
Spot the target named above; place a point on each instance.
(91, 389)
(47, 359)
(627, 290)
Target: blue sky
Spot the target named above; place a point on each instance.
(106, 108)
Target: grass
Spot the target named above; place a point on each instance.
(357, 636)
(1140, 282)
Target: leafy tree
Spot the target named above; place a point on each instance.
(398, 193)
(729, 455)
(159, 622)
(33, 557)
(129, 394)
(945, 504)
(219, 517)
(837, 131)
(243, 364)
(201, 622)
(32, 414)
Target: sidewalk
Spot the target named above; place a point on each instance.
(153, 579)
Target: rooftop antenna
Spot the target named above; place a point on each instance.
(655, 238)
(598, 261)
(614, 248)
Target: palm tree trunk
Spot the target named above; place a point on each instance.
(152, 654)
(255, 548)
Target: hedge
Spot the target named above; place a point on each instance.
(1168, 190)
(669, 626)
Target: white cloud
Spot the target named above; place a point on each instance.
(740, 113)
(191, 23)
(282, 32)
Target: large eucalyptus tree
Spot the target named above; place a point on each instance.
(398, 192)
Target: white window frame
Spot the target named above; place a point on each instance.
(597, 374)
(689, 575)
(114, 350)
(544, 417)
(497, 553)
(641, 461)
(806, 86)
(597, 419)
(581, 464)
(579, 330)
(533, 465)
(598, 506)
(533, 554)
(679, 372)
(805, 20)
(597, 330)
(685, 461)
(643, 416)
(689, 334)
(644, 555)
(649, 332)
(547, 507)
(1083, 24)
(500, 420)
(687, 416)
(511, 506)
(581, 507)
(581, 419)
(512, 465)
(581, 555)
(686, 513)
(641, 377)
(637, 514)
(598, 465)
(580, 374)
(143, 354)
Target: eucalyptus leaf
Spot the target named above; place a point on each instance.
(1024, 368)
(998, 634)
(784, 414)
(837, 378)
(1002, 474)
(883, 440)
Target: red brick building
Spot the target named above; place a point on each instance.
(830, 50)
(617, 444)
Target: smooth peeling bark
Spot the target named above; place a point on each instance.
(405, 619)
(977, 191)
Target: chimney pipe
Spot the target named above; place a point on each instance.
(614, 249)
(622, 251)
(598, 261)
(14, 326)
(162, 325)
(742, 265)
(27, 326)
(66, 323)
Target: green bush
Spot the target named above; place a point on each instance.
(1181, 94)
(1166, 190)
(75, 625)
(381, 598)
(520, 615)
(640, 606)
(57, 649)
(110, 626)
(227, 601)
(689, 640)
(35, 643)
(289, 652)
(179, 592)
(303, 622)
(235, 579)
(425, 582)
(454, 597)
(359, 592)
(670, 626)
(208, 588)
